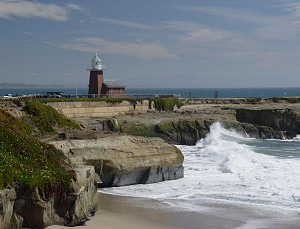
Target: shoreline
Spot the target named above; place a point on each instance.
(108, 220)
(210, 213)
(109, 216)
(137, 212)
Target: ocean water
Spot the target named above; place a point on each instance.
(228, 166)
(183, 92)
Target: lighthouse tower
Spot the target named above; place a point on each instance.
(96, 77)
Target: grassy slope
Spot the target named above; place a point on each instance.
(46, 117)
(27, 162)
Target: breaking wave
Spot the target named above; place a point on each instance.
(227, 165)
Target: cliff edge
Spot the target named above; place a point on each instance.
(125, 160)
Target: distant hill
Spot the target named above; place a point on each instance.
(20, 85)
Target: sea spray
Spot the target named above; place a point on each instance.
(229, 166)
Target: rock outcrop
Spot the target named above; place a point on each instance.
(178, 131)
(125, 160)
(280, 119)
(185, 131)
(28, 208)
(271, 123)
(7, 199)
(191, 123)
(227, 100)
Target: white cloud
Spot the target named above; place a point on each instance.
(74, 7)
(294, 8)
(195, 33)
(28, 33)
(268, 60)
(264, 26)
(198, 33)
(204, 35)
(232, 13)
(21, 8)
(128, 23)
(132, 49)
(183, 25)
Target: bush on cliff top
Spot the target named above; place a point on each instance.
(46, 117)
(166, 104)
(27, 162)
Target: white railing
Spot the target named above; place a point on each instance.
(102, 67)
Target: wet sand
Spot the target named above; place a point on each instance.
(142, 213)
(109, 220)
(114, 213)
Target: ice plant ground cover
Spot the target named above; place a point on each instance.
(26, 162)
(46, 117)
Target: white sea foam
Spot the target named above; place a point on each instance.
(228, 166)
(297, 138)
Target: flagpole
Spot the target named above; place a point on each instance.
(76, 82)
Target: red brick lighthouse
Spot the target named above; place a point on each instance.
(96, 77)
(98, 86)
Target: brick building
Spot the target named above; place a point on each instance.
(98, 86)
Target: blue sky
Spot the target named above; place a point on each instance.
(178, 43)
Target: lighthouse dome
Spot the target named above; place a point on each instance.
(96, 58)
(96, 64)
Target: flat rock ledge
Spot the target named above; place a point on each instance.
(124, 160)
(27, 209)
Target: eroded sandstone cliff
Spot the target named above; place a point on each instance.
(28, 208)
(259, 118)
(124, 160)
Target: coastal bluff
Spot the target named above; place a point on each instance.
(125, 160)
(89, 159)
(27, 208)
(103, 151)
(265, 118)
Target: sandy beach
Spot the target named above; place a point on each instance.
(111, 219)
(135, 213)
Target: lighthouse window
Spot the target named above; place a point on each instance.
(96, 63)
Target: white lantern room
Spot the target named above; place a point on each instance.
(96, 64)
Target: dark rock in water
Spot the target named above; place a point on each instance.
(270, 123)
(258, 131)
(278, 119)
(270, 134)
(290, 134)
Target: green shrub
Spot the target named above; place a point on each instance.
(165, 104)
(268, 128)
(27, 162)
(46, 117)
(138, 129)
(17, 102)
